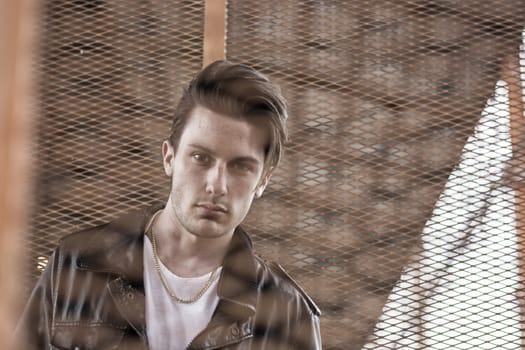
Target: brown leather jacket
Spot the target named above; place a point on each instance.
(91, 296)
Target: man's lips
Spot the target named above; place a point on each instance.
(212, 207)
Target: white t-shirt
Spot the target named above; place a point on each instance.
(171, 325)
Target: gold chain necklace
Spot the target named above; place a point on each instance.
(165, 284)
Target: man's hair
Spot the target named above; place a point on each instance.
(239, 91)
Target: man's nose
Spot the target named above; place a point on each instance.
(216, 181)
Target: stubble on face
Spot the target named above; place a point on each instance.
(194, 209)
(199, 222)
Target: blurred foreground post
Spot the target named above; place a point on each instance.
(16, 19)
(214, 31)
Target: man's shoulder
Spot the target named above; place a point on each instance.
(277, 275)
(84, 240)
(124, 228)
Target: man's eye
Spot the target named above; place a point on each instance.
(201, 158)
(243, 167)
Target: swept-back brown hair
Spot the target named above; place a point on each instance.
(238, 91)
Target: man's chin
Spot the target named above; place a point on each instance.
(211, 229)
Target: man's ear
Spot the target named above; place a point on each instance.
(262, 185)
(168, 155)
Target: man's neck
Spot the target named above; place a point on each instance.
(184, 253)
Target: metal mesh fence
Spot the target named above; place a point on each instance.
(395, 205)
(110, 73)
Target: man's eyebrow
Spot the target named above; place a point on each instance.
(200, 147)
(247, 159)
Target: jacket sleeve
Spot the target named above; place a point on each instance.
(34, 327)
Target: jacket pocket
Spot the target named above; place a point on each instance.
(90, 336)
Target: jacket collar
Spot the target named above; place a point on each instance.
(238, 282)
(117, 247)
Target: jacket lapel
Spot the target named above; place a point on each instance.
(237, 290)
(238, 283)
(131, 303)
(124, 261)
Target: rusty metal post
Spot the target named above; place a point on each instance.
(214, 31)
(16, 18)
(511, 75)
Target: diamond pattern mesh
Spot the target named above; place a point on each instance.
(110, 75)
(393, 206)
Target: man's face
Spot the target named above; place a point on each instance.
(216, 172)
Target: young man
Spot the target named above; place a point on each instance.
(183, 275)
